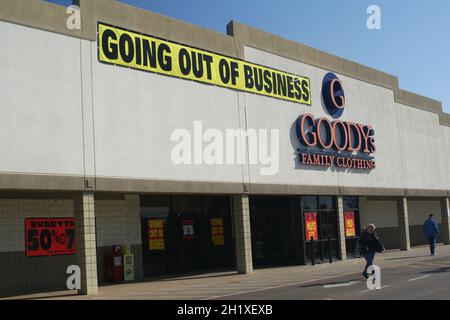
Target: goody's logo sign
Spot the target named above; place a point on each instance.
(343, 144)
(333, 95)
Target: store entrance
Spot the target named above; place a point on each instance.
(320, 220)
(352, 226)
(275, 229)
(186, 234)
(294, 230)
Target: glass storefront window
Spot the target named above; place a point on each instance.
(353, 226)
(324, 208)
(273, 235)
(351, 203)
(326, 203)
(186, 233)
(309, 203)
(187, 206)
(325, 212)
(216, 207)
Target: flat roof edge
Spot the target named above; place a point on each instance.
(147, 22)
(51, 17)
(262, 40)
(38, 14)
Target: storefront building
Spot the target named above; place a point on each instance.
(91, 121)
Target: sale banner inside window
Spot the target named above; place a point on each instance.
(349, 222)
(49, 236)
(156, 234)
(311, 225)
(188, 229)
(217, 234)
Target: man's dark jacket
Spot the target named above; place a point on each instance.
(370, 243)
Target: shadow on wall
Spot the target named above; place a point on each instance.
(390, 237)
(25, 275)
(418, 238)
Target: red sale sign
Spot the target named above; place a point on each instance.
(349, 223)
(311, 226)
(49, 236)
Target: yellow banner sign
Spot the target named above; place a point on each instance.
(134, 50)
(156, 234)
(217, 233)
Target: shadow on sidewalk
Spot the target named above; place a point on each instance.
(403, 258)
(204, 274)
(62, 295)
(438, 270)
(39, 295)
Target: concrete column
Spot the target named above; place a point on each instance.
(86, 254)
(133, 201)
(242, 234)
(445, 213)
(341, 228)
(403, 223)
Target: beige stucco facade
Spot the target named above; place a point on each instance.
(75, 132)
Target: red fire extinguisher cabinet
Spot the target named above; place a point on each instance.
(114, 265)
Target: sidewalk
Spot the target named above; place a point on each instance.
(221, 284)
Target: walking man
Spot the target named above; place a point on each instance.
(431, 230)
(370, 244)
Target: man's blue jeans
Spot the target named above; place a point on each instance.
(432, 242)
(369, 256)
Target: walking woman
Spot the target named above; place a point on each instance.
(370, 244)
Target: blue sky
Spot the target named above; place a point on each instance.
(414, 43)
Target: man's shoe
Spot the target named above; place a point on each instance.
(433, 254)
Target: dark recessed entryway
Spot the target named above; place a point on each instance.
(279, 229)
(186, 233)
(276, 231)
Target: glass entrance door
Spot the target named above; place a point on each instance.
(186, 233)
(352, 226)
(271, 221)
(267, 247)
(320, 219)
(189, 236)
(156, 239)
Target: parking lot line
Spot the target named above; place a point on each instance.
(419, 278)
